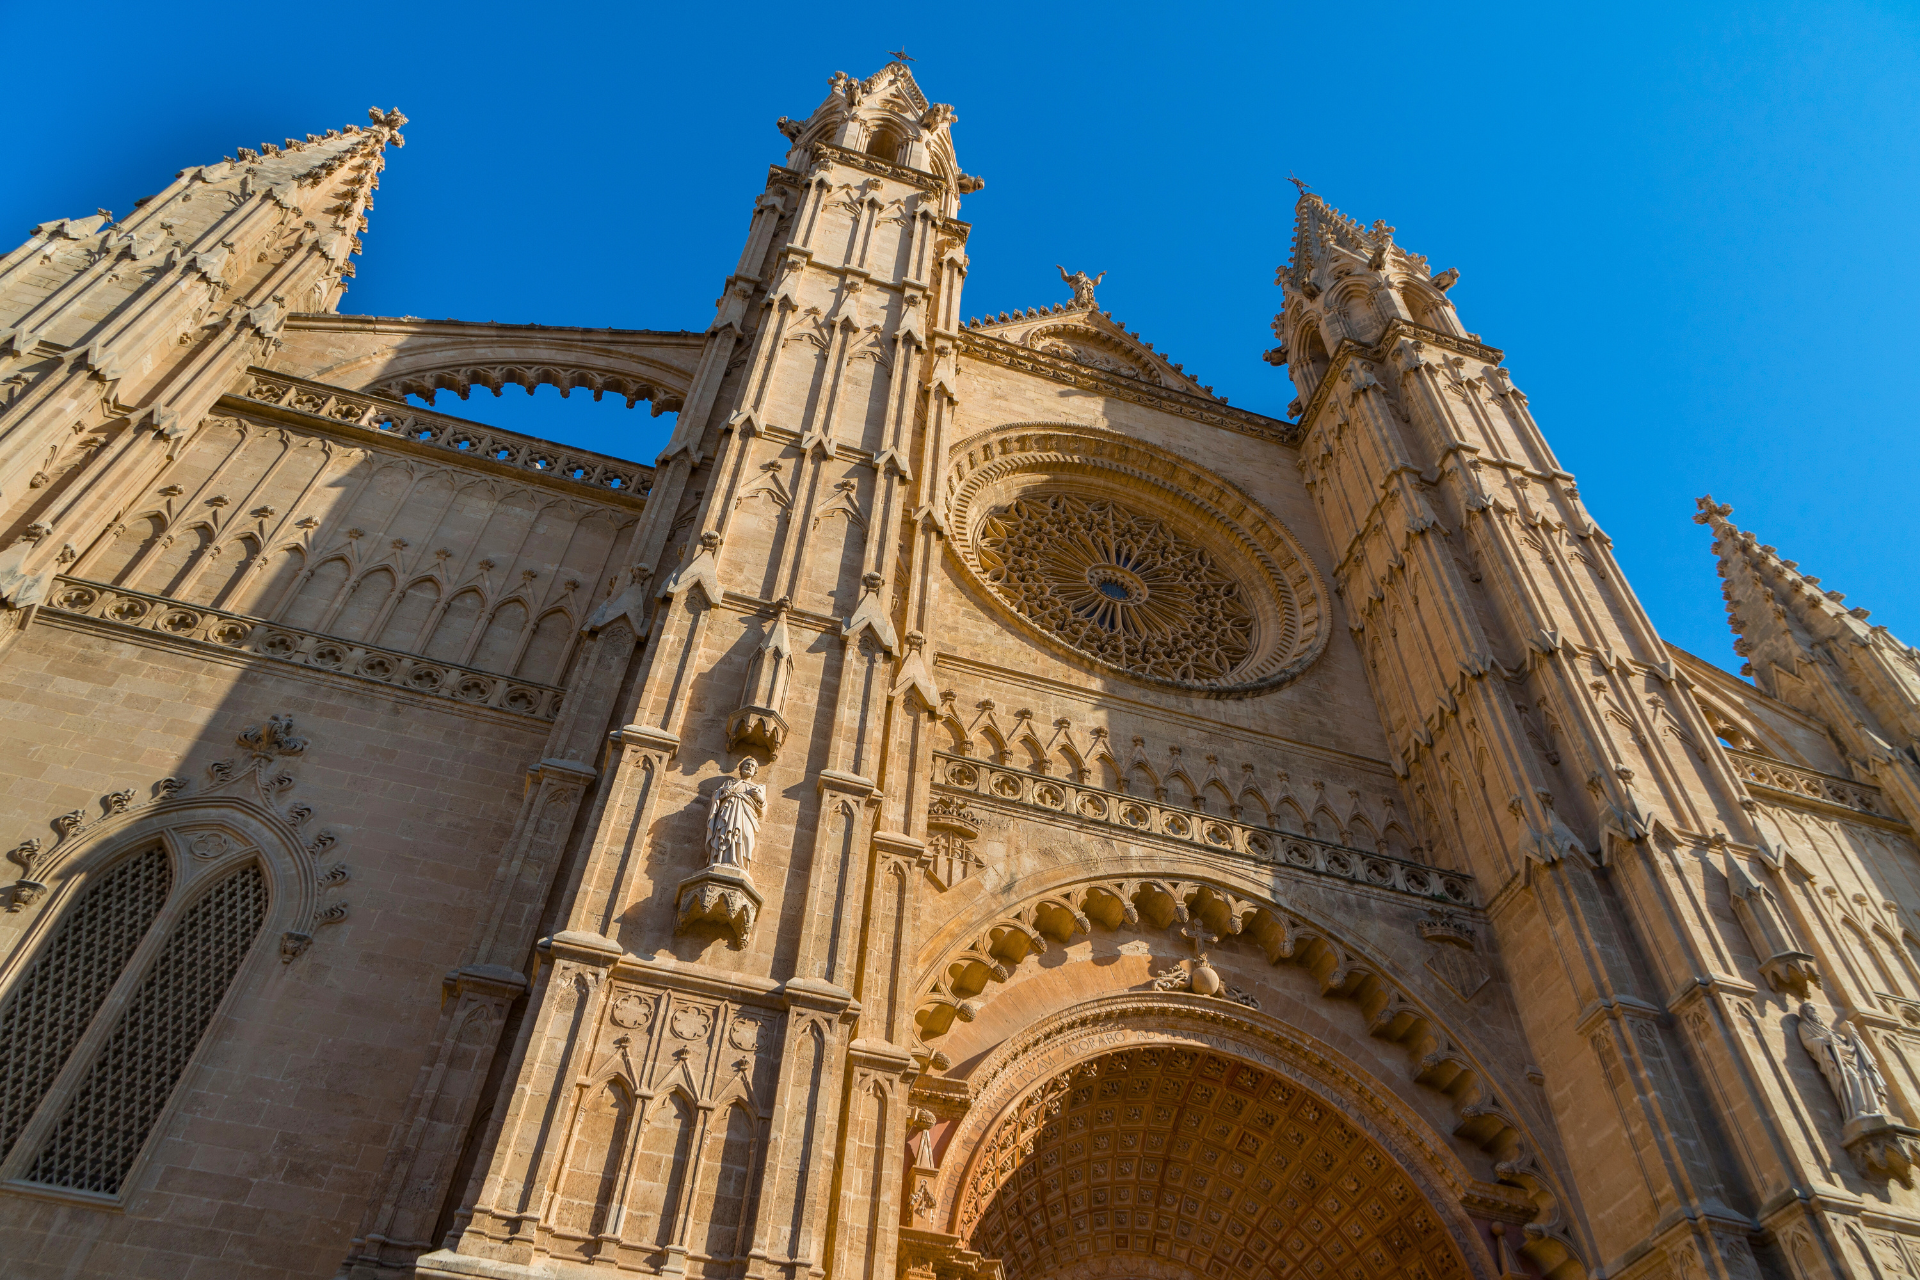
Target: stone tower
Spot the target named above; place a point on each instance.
(978, 805)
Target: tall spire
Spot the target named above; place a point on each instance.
(1806, 647)
(108, 328)
(1347, 282)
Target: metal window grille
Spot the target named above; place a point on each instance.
(50, 1007)
(116, 1104)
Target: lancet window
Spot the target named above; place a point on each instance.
(100, 1024)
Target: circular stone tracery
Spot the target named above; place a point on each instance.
(1203, 1162)
(1124, 554)
(1118, 585)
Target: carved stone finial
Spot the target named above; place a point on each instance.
(275, 738)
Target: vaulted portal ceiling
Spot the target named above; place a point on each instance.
(1158, 1159)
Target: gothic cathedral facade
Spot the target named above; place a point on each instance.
(977, 805)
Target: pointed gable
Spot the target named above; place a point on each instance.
(1089, 336)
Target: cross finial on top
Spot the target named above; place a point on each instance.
(899, 55)
(1304, 188)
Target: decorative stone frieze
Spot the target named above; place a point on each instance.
(1149, 821)
(219, 631)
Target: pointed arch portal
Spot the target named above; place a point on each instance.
(1169, 1142)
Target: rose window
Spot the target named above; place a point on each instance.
(1123, 555)
(1118, 585)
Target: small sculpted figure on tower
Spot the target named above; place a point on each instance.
(1850, 1070)
(1081, 283)
(738, 805)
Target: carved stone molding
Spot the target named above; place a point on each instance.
(1021, 1071)
(1061, 368)
(1001, 791)
(1810, 789)
(240, 634)
(951, 830)
(256, 782)
(1455, 959)
(723, 897)
(487, 447)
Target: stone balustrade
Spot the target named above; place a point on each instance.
(422, 426)
(1776, 775)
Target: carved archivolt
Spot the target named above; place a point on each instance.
(1128, 556)
(1240, 1169)
(975, 962)
(244, 814)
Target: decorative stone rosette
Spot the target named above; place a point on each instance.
(1127, 556)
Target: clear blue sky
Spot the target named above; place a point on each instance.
(1691, 227)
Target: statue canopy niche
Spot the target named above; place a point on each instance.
(723, 894)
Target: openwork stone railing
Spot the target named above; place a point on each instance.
(421, 426)
(1773, 775)
(239, 634)
(1135, 816)
(1901, 1007)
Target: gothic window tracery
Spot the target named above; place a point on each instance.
(1120, 586)
(1129, 557)
(51, 1005)
(125, 984)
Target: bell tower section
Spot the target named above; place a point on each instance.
(727, 967)
(1547, 743)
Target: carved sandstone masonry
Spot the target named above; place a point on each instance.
(1477, 582)
(852, 267)
(1144, 838)
(214, 262)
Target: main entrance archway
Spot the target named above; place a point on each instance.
(1170, 1143)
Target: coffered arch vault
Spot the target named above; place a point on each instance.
(1203, 1161)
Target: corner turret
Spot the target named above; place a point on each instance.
(1806, 648)
(886, 117)
(1347, 282)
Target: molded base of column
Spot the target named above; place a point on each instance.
(445, 1264)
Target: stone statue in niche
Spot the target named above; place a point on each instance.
(738, 805)
(1880, 1145)
(1850, 1070)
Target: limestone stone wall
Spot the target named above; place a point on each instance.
(263, 1161)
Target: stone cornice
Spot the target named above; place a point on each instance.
(835, 154)
(1180, 403)
(1139, 820)
(172, 623)
(1349, 350)
(329, 322)
(1799, 787)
